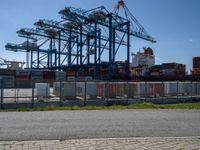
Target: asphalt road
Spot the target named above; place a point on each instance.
(63, 125)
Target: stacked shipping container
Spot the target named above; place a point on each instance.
(8, 78)
(196, 66)
(23, 79)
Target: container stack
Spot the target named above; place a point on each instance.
(36, 76)
(23, 79)
(173, 69)
(49, 76)
(60, 76)
(196, 66)
(156, 70)
(8, 78)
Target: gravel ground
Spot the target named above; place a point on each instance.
(62, 125)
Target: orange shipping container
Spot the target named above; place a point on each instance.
(156, 89)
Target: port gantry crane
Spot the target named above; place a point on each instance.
(82, 40)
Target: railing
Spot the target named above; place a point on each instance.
(97, 93)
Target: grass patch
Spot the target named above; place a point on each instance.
(114, 107)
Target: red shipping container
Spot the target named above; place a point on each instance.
(156, 89)
(101, 89)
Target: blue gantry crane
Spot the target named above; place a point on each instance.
(82, 40)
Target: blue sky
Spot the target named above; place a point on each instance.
(174, 23)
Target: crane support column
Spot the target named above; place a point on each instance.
(31, 59)
(38, 58)
(110, 48)
(128, 49)
(88, 50)
(81, 45)
(99, 52)
(77, 50)
(70, 48)
(51, 53)
(55, 56)
(95, 50)
(59, 50)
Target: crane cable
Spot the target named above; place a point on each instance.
(129, 16)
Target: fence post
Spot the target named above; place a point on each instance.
(85, 94)
(177, 92)
(60, 92)
(191, 90)
(106, 90)
(32, 100)
(145, 92)
(1, 82)
(127, 92)
(163, 86)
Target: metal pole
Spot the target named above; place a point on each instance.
(77, 48)
(113, 50)
(88, 51)
(163, 86)
(32, 100)
(110, 48)
(60, 94)
(85, 94)
(145, 91)
(88, 54)
(128, 49)
(51, 53)
(95, 51)
(177, 90)
(55, 55)
(191, 90)
(1, 82)
(81, 45)
(70, 48)
(59, 50)
(38, 57)
(127, 91)
(31, 59)
(99, 47)
(27, 54)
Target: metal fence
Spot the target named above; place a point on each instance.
(97, 93)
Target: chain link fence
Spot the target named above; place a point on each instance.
(97, 93)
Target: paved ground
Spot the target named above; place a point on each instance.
(189, 143)
(64, 125)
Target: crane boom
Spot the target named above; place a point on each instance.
(136, 28)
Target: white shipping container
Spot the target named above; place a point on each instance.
(80, 89)
(196, 88)
(42, 89)
(134, 90)
(68, 89)
(184, 88)
(91, 89)
(170, 88)
(56, 88)
(64, 89)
